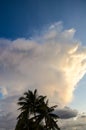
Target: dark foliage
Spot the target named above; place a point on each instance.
(35, 113)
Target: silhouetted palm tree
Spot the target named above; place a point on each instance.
(35, 113)
(46, 114)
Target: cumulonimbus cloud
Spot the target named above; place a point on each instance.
(53, 63)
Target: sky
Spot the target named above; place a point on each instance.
(43, 46)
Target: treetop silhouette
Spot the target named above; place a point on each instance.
(35, 113)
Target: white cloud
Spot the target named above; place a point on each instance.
(53, 63)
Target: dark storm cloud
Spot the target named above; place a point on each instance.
(66, 113)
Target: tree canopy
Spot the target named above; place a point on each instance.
(35, 113)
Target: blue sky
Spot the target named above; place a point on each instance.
(22, 18)
(26, 18)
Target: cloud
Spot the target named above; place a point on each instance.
(3, 91)
(79, 123)
(7, 121)
(53, 63)
(66, 113)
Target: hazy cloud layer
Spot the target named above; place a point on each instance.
(8, 122)
(53, 63)
(74, 124)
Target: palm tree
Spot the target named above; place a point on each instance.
(29, 103)
(46, 114)
(35, 113)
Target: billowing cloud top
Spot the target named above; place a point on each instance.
(53, 63)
